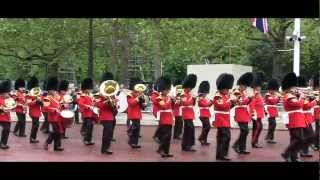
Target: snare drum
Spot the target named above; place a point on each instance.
(68, 118)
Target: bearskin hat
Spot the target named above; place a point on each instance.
(190, 81)
(133, 82)
(288, 81)
(225, 81)
(301, 81)
(204, 87)
(273, 84)
(19, 83)
(63, 85)
(106, 76)
(163, 83)
(87, 83)
(258, 78)
(315, 79)
(177, 82)
(52, 84)
(5, 86)
(245, 79)
(32, 82)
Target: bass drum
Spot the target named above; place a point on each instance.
(123, 103)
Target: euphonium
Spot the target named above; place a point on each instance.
(107, 89)
(9, 104)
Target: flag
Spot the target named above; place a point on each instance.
(261, 24)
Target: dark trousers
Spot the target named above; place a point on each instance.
(114, 123)
(271, 128)
(240, 143)
(45, 124)
(134, 132)
(88, 130)
(107, 134)
(317, 134)
(5, 132)
(205, 129)
(54, 135)
(165, 132)
(157, 133)
(309, 138)
(223, 141)
(34, 128)
(76, 116)
(297, 142)
(256, 130)
(188, 138)
(83, 126)
(20, 126)
(178, 125)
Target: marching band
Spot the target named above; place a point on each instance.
(173, 106)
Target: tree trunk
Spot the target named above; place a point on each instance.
(53, 69)
(114, 38)
(126, 56)
(157, 63)
(90, 49)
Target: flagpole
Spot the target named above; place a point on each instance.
(296, 58)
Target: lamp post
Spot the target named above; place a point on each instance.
(230, 47)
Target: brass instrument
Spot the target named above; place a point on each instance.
(9, 104)
(140, 88)
(179, 90)
(108, 89)
(35, 92)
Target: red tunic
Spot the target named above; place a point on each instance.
(176, 109)
(34, 108)
(105, 111)
(20, 98)
(52, 109)
(242, 110)
(165, 111)
(308, 111)
(84, 103)
(4, 116)
(256, 106)
(317, 112)
(293, 107)
(134, 109)
(204, 106)
(222, 111)
(43, 109)
(271, 101)
(155, 107)
(187, 104)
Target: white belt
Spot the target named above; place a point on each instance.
(309, 111)
(160, 111)
(242, 106)
(204, 107)
(316, 107)
(222, 112)
(294, 111)
(286, 115)
(180, 109)
(270, 106)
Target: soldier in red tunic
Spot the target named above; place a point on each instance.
(315, 82)
(164, 113)
(188, 101)
(63, 88)
(256, 108)
(296, 124)
(308, 105)
(136, 103)
(34, 103)
(242, 115)
(86, 105)
(21, 110)
(271, 99)
(45, 125)
(204, 105)
(51, 104)
(222, 105)
(153, 98)
(5, 119)
(178, 122)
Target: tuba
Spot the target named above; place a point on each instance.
(35, 92)
(9, 104)
(107, 89)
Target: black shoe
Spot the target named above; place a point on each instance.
(295, 160)
(223, 158)
(34, 141)
(189, 149)
(46, 146)
(134, 146)
(206, 144)
(269, 141)
(113, 140)
(201, 142)
(305, 155)
(140, 136)
(108, 152)
(315, 148)
(166, 155)
(65, 137)
(4, 146)
(23, 135)
(285, 157)
(256, 146)
(236, 149)
(58, 149)
(244, 152)
(16, 134)
(87, 143)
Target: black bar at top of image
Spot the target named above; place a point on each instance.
(166, 9)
